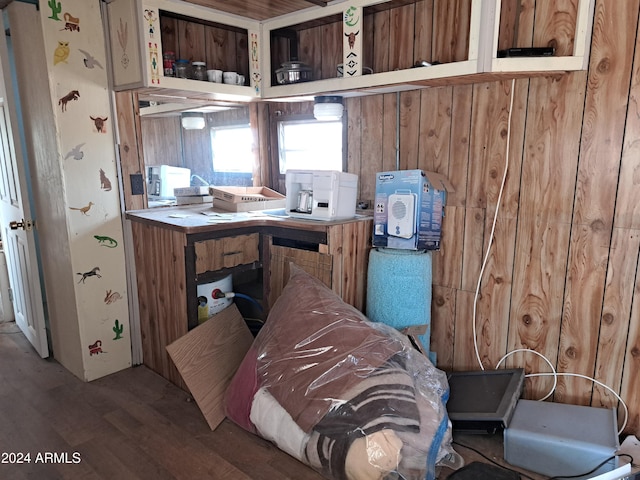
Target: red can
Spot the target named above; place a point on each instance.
(168, 62)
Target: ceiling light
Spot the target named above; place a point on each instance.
(192, 121)
(327, 108)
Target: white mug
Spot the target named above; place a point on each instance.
(240, 79)
(214, 76)
(230, 77)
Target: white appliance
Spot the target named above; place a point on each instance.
(162, 179)
(321, 194)
(401, 214)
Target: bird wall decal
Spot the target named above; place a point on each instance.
(61, 53)
(89, 60)
(76, 152)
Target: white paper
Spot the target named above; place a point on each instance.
(617, 474)
(211, 213)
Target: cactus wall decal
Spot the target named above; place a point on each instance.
(118, 329)
(56, 8)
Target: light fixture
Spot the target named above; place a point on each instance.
(192, 121)
(327, 107)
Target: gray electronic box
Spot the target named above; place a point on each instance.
(556, 439)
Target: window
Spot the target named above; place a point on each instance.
(311, 144)
(232, 149)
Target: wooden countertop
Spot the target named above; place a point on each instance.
(190, 219)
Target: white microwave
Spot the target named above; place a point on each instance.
(162, 179)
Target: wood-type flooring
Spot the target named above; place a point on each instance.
(127, 426)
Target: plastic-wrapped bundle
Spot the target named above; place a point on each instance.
(348, 397)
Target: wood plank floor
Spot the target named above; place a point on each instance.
(130, 425)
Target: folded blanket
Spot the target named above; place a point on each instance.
(273, 423)
(351, 398)
(316, 350)
(384, 400)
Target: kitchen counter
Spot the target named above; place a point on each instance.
(191, 219)
(177, 249)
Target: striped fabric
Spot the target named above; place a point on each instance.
(385, 399)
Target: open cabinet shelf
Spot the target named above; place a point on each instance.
(142, 31)
(458, 38)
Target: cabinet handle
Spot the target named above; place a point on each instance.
(228, 254)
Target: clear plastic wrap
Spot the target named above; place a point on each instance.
(349, 397)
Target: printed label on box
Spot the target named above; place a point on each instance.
(408, 211)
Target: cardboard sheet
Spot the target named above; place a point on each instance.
(207, 358)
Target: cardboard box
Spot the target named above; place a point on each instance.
(408, 209)
(244, 199)
(190, 191)
(194, 199)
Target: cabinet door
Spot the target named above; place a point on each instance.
(141, 31)
(227, 252)
(314, 263)
(124, 38)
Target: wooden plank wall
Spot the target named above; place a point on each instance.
(220, 48)
(562, 273)
(130, 148)
(560, 277)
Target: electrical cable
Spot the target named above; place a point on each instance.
(594, 469)
(554, 372)
(486, 457)
(493, 227)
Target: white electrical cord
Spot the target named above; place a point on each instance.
(493, 227)
(553, 372)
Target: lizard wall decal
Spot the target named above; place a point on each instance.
(106, 241)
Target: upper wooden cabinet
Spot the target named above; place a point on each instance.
(459, 40)
(141, 31)
(566, 26)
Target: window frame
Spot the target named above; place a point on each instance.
(218, 128)
(278, 179)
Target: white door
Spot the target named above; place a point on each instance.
(16, 222)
